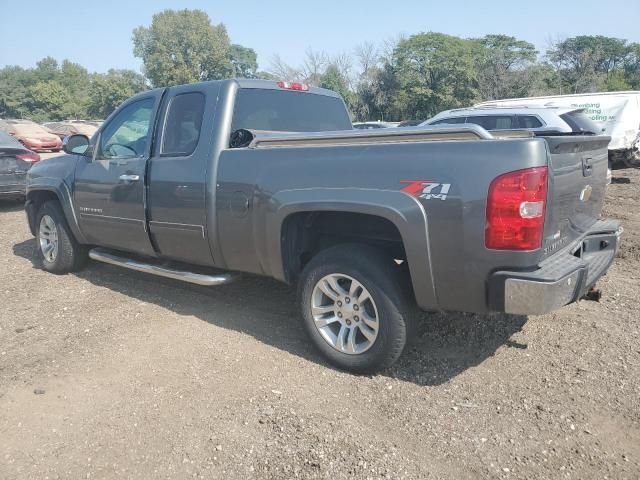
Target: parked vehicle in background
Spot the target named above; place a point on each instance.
(15, 162)
(373, 125)
(545, 121)
(196, 181)
(410, 123)
(542, 121)
(616, 113)
(71, 127)
(32, 135)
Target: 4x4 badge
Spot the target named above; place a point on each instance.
(426, 189)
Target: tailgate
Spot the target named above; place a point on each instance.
(577, 183)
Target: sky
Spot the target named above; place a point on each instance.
(98, 34)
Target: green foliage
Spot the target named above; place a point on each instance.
(586, 62)
(244, 61)
(183, 47)
(433, 72)
(501, 63)
(48, 100)
(333, 79)
(53, 91)
(108, 91)
(412, 78)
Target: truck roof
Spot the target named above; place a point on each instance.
(257, 84)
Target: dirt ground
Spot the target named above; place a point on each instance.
(113, 374)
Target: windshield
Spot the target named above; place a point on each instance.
(287, 111)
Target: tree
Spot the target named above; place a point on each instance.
(333, 79)
(183, 47)
(585, 62)
(47, 101)
(501, 62)
(632, 66)
(315, 63)
(280, 70)
(244, 61)
(108, 91)
(434, 72)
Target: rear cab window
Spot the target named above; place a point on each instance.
(288, 111)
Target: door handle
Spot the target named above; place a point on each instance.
(129, 178)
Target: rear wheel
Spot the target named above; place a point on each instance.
(357, 307)
(58, 250)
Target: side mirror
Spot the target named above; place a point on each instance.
(76, 144)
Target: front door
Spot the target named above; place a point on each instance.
(110, 191)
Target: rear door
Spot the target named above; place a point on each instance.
(110, 193)
(178, 173)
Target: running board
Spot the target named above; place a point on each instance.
(162, 271)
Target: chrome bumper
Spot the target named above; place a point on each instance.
(561, 279)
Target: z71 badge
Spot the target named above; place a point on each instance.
(426, 189)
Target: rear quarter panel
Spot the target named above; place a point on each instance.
(251, 183)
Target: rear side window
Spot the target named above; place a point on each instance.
(529, 121)
(493, 122)
(183, 125)
(580, 123)
(449, 121)
(287, 111)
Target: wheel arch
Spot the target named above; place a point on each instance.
(390, 211)
(52, 189)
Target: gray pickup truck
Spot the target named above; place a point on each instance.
(200, 182)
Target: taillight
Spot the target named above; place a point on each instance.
(515, 210)
(301, 87)
(29, 157)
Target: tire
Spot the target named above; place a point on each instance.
(390, 302)
(57, 249)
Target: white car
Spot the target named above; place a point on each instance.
(617, 113)
(544, 120)
(541, 120)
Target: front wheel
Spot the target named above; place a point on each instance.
(58, 251)
(357, 307)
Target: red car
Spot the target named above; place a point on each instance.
(33, 136)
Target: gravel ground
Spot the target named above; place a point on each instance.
(113, 374)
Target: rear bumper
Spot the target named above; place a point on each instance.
(561, 279)
(12, 190)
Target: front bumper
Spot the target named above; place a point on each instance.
(561, 279)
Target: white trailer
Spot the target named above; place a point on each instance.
(617, 112)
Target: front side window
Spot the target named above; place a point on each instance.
(127, 134)
(493, 122)
(183, 124)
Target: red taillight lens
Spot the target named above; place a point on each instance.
(515, 210)
(301, 87)
(29, 157)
